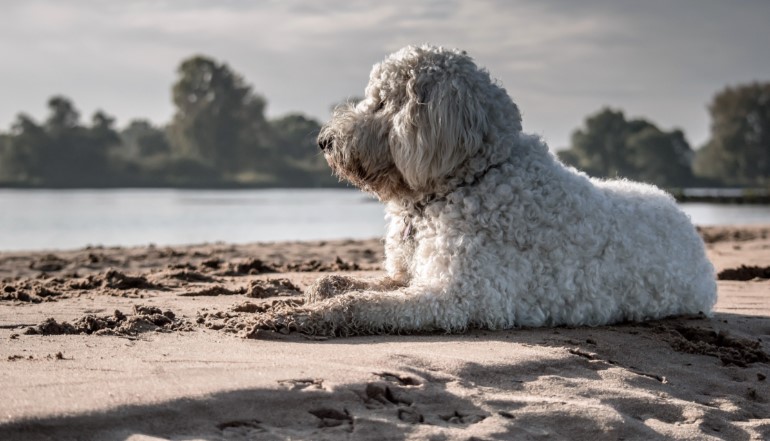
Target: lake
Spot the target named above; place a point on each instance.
(60, 219)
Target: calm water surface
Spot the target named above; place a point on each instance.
(51, 219)
(40, 219)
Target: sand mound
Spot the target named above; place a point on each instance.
(272, 288)
(744, 273)
(730, 350)
(143, 319)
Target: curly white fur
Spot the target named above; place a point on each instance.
(487, 228)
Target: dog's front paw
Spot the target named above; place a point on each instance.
(303, 320)
(329, 286)
(284, 322)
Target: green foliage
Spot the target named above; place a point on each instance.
(294, 141)
(600, 147)
(61, 152)
(174, 171)
(21, 159)
(102, 130)
(662, 158)
(611, 146)
(219, 137)
(218, 119)
(63, 118)
(141, 139)
(295, 135)
(738, 152)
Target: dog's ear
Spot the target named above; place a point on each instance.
(442, 124)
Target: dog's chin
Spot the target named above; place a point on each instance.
(386, 184)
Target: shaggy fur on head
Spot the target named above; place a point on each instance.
(487, 229)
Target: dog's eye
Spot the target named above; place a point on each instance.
(379, 106)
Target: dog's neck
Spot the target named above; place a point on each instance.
(470, 181)
(412, 210)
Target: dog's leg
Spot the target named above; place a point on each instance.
(333, 285)
(405, 310)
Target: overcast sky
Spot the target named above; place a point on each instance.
(560, 60)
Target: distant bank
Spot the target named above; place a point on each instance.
(759, 196)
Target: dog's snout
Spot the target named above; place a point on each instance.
(325, 144)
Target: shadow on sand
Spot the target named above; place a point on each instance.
(606, 383)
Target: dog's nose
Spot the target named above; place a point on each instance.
(325, 144)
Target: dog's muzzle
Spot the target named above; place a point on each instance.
(325, 144)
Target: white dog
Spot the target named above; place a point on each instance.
(487, 228)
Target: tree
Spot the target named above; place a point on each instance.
(662, 158)
(218, 137)
(25, 151)
(218, 119)
(102, 131)
(63, 116)
(738, 152)
(140, 138)
(295, 149)
(600, 147)
(611, 146)
(295, 136)
(61, 152)
(77, 155)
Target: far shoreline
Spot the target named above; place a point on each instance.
(715, 195)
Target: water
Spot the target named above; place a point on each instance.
(49, 219)
(60, 219)
(726, 214)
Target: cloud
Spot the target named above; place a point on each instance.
(559, 59)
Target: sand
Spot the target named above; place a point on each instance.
(155, 343)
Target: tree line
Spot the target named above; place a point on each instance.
(737, 154)
(219, 136)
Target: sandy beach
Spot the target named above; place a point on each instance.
(156, 343)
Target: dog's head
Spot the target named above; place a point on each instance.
(429, 120)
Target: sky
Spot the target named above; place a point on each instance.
(560, 60)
